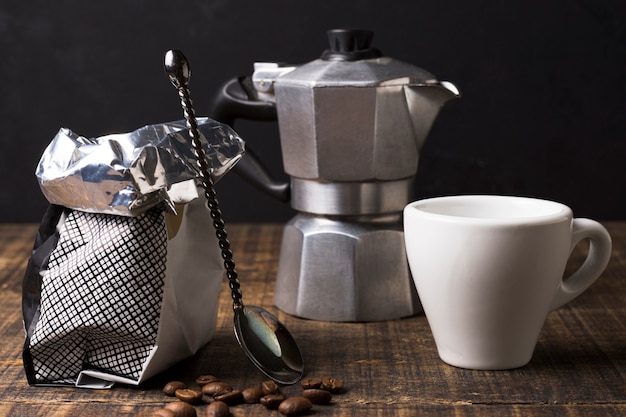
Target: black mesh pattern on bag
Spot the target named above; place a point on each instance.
(101, 295)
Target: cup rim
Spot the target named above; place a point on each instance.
(446, 208)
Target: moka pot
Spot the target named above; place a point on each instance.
(351, 127)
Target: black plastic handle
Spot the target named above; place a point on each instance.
(237, 99)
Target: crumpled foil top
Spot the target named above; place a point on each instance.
(128, 173)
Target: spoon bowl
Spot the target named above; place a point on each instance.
(275, 352)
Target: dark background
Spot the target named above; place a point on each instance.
(543, 111)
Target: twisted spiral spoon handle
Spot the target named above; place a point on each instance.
(179, 73)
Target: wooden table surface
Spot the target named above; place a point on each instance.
(389, 368)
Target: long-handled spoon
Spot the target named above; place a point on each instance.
(266, 342)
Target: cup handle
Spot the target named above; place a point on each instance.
(598, 258)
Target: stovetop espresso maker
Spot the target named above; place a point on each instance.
(351, 126)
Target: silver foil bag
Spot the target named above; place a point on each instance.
(128, 173)
(125, 273)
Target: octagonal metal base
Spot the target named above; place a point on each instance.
(344, 271)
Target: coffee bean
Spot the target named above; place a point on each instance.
(164, 412)
(181, 409)
(233, 397)
(252, 395)
(317, 396)
(311, 383)
(190, 396)
(216, 388)
(170, 388)
(272, 401)
(270, 387)
(333, 385)
(294, 406)
(205, 379)
(217, 409)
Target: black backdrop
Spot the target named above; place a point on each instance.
(543, 111)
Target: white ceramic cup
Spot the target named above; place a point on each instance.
(488, 270)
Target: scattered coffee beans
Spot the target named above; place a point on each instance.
(272, 401)
(311, 383)
(219, 395)
(294, 406)
(181, 409)
(252, 395)
(332, 384)
(170, 388)
(218, 409)
(190, 396)
(270, 387)
(317, 396)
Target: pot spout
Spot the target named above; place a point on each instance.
(424, 102)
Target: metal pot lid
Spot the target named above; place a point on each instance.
(351, 61)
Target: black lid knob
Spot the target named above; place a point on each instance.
(350, 45)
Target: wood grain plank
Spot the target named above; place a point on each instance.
(390, 368)
(96, 409)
